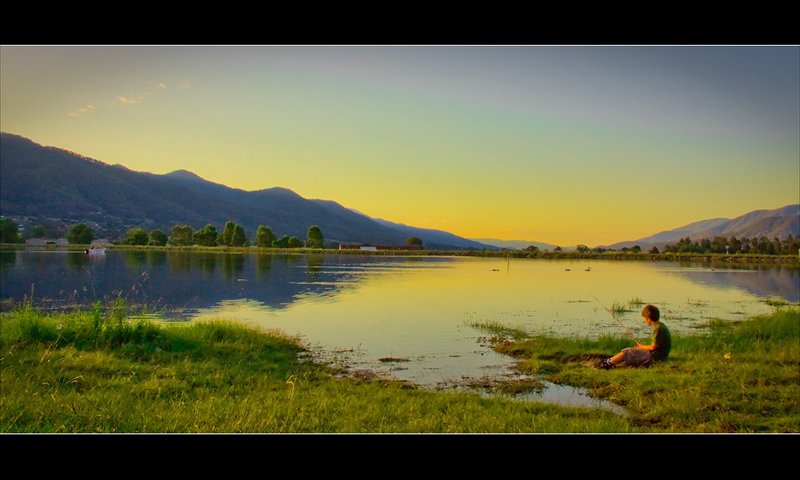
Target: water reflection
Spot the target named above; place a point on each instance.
(181, 279)
(761, 281)
(416, 307)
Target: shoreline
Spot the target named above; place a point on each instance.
(102, 372)
(516, 254)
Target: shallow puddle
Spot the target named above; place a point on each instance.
(570, 396)
(552, 393)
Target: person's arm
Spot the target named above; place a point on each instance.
(650, 347)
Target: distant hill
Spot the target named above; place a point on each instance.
(290, 214)
(519, 244)
(51, 182)
(768, 223)
(434, 239)
(37, 181)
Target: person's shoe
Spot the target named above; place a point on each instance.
(603, 365)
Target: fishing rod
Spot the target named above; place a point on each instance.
(615, 318)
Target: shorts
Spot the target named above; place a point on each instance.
(637, 357)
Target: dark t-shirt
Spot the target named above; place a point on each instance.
(662, 341)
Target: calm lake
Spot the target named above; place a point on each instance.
(358, 309)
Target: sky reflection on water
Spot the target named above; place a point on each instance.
(359, 309)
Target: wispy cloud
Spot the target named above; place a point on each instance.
(130, 99)
(82, 110)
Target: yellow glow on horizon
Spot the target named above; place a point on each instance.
(445, 155)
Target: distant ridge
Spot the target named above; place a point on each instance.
(50, 182)
(780, 223)
(185, 175)
(435, 239)
(519, 244)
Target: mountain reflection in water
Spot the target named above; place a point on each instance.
(359, 309)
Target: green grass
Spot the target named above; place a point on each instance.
(498, 330)
(738, 377)
(98, 370)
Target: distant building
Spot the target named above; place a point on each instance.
(371, 248)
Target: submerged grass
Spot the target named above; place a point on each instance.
(620, 307)
(499, 330)
(738, 377)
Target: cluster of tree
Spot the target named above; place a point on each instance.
(414, 241)
(732, 245)
(9, 231)
(633, 249)
(80, 234)
(314, 238)
(232, 236)
(265, 238)
(137, 236)
(288, 242)
(45, 229)
(207, 237)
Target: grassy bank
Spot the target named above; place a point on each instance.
(100, 371)
(738, 377)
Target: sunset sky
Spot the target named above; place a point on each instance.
(563, 145)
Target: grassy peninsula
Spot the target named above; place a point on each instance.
(735, 377)
(100, 370)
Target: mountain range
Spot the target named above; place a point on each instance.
(519, 244)
(780, 223)
(49, 182)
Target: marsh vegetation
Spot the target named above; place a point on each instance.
(101, 370)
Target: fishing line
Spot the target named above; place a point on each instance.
(615, 318)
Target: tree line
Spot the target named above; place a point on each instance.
(729, 246)
(232, 235)
(733, 245)
(76, 234)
